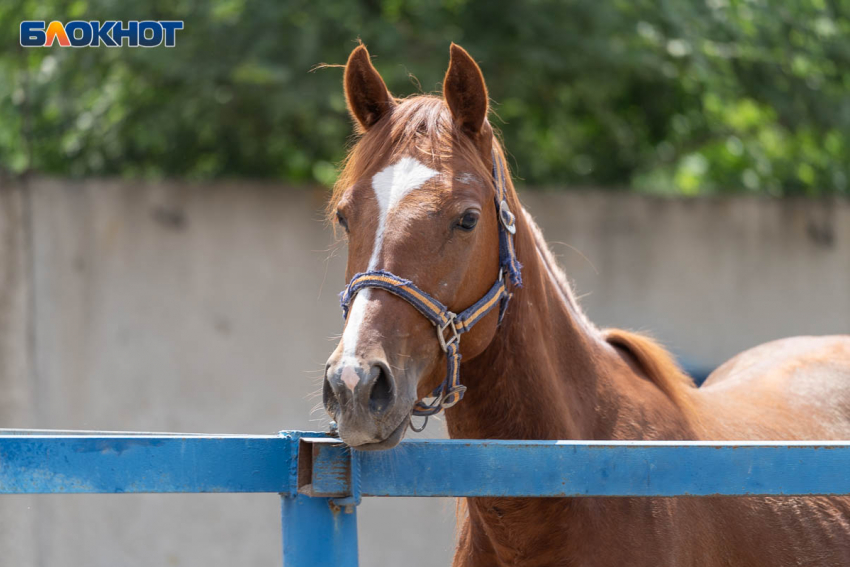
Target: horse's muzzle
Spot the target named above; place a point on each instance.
(361, 399)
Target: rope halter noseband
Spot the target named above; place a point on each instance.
(451, 326)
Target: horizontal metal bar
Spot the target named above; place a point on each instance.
(102, 433)
(214, 463)
(581, 468)
(144, 463)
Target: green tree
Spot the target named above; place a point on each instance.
(663, 95)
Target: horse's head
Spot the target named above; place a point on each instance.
(415, 198)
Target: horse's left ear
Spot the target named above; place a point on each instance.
(466, 93)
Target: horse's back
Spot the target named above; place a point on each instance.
(791, 389)
(794, 388)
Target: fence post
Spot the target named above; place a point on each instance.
(315, 530)
(317, 533)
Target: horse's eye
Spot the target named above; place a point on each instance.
(468, 220)
(341, 220)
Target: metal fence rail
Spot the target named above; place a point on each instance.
(320, 481)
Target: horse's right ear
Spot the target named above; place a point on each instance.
(465, 92)
(367, 95)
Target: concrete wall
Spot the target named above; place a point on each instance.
(213, 308)
(709, 277)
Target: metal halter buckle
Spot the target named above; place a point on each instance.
(441, 332)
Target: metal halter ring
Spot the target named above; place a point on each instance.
(437, 402)
(507, 217)
(453, 397)
(441, 330)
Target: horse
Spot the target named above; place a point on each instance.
(415, 198)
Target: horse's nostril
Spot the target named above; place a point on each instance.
(382, 389)
(329, 398)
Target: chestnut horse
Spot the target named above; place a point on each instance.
(415, 198)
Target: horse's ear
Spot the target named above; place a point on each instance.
(367, 95)
(465, 91)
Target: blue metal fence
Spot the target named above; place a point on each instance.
(320, 481)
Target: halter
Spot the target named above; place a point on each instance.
(451, 326)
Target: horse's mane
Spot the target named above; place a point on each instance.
(657, 364)
(557, 274)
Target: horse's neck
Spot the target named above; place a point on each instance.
(549, 373)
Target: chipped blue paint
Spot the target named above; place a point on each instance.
(133, 464)
(587, 468)
(315, 532)
(170, 463)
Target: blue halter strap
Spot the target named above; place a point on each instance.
(451, 326)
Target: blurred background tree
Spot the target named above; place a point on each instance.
(666, 96)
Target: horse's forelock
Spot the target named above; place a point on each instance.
(419, 125)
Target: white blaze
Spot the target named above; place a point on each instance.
(390, 185)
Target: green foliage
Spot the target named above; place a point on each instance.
(665, 96)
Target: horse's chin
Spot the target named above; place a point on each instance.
(391, 441)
